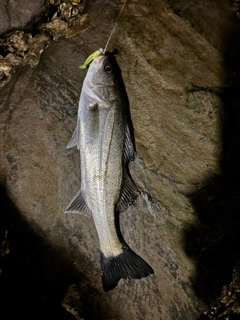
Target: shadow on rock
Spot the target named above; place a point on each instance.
(214, 243)
(34, 277)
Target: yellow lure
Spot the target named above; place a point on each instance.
(90, 58)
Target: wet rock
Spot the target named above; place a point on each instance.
(62, 18)
(173, 63)
(226, 305)
(20, 48)
(67, 20)
(72, 302)
(20, 14)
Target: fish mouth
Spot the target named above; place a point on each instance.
(99, 60)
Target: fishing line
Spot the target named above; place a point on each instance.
(99, 51)
(114, 27)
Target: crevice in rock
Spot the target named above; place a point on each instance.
(24, 47)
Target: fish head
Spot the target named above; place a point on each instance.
(102, 71)
(103, 83)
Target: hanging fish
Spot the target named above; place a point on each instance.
(104, 139)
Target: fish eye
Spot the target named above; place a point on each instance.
(108, 69)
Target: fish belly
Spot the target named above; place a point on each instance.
(102, 161)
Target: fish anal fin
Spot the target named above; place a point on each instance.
(129, 193)
(127, 265)
(78, 205)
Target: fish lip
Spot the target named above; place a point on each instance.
(99, 59)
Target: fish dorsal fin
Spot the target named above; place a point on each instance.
(129, 191)
(78, 205)
(128, 194)
(75, 137)
(128, 151)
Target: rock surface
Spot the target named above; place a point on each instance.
(178, 64)
(20, 14)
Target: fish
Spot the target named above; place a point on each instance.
(104, 137)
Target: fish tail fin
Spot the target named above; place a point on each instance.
(127, 265)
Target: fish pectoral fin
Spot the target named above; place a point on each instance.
(92, 106)
(93, 119)
(79, 205)
(75, 137)
(129, 193)
(128, 151)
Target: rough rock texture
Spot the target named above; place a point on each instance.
(19, 14)
(180, 63)
(24, 47)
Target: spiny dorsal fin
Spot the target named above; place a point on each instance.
(129, 193)
(128, 150)
(78, 205)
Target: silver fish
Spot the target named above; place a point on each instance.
(104, 139)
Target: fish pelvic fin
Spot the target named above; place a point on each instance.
(73, 141)
(79, 205)
(127, 265)
(75, 137)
